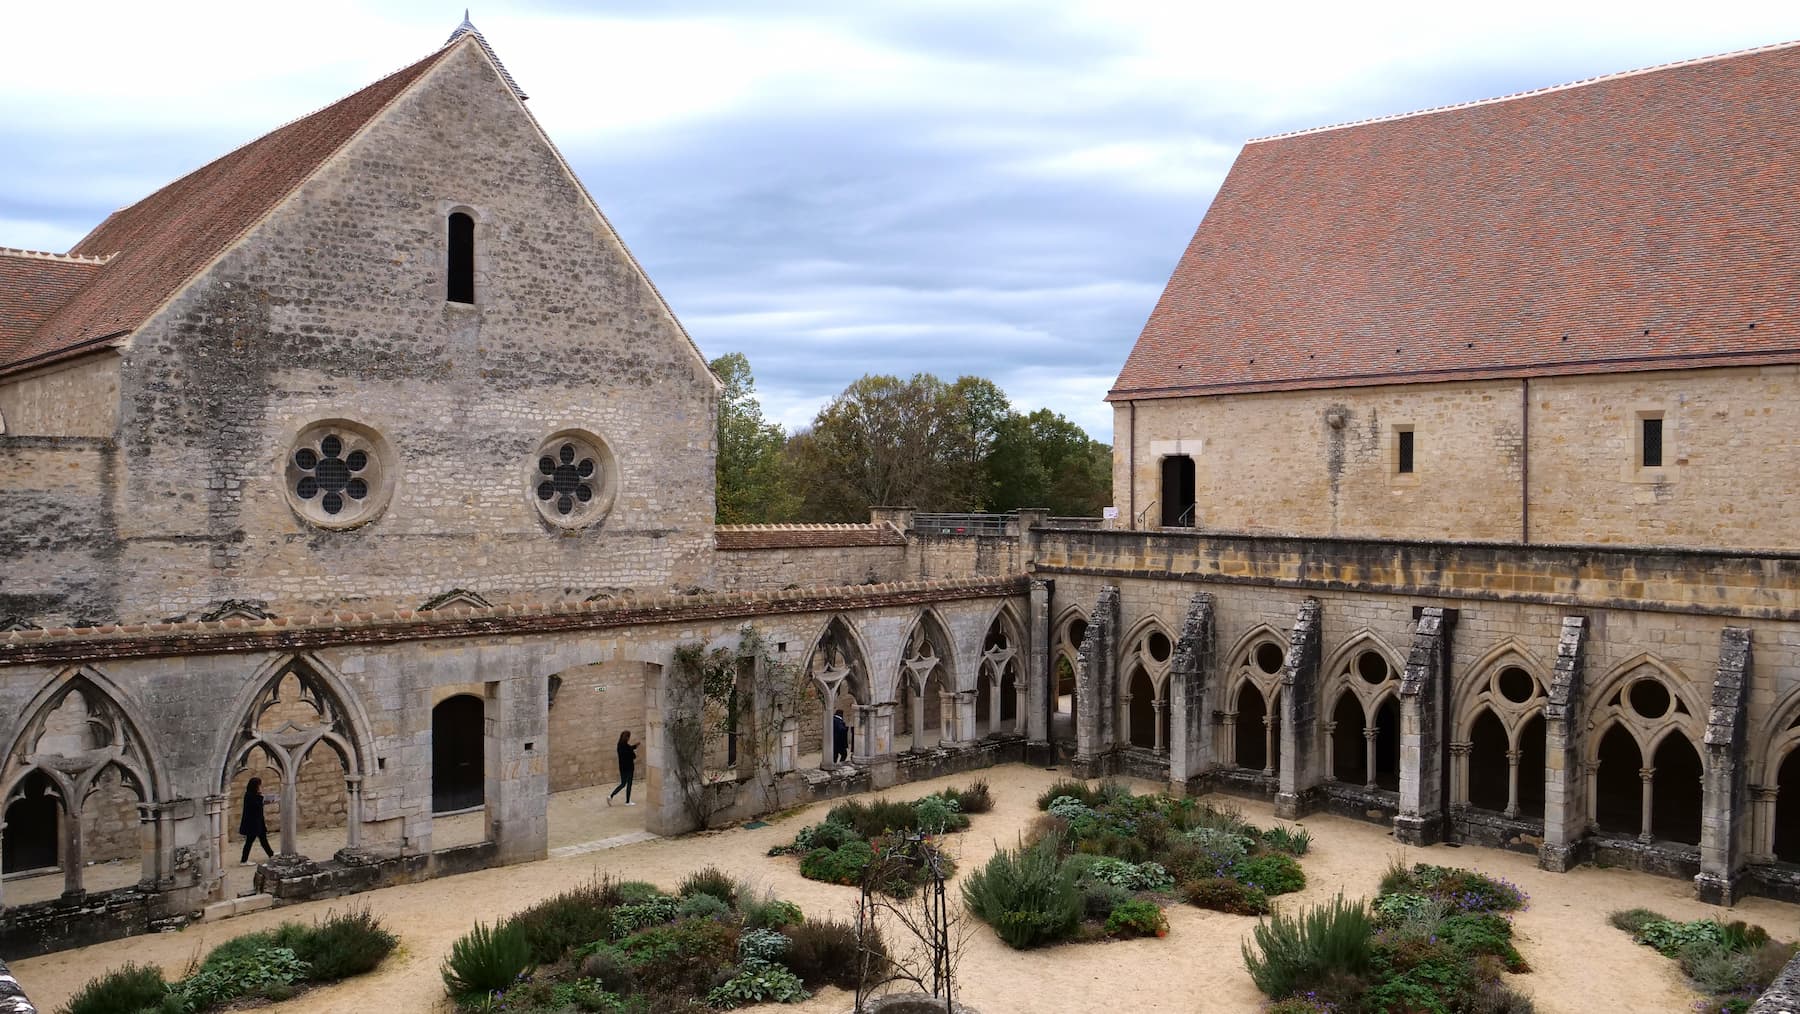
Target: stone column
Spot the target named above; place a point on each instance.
(215, 833)
(1300, 771)
(1567, 787)
(1037, 693)
(1424, 693)
(1762, 844)
(1724, 799)
(828, 694)
(1021, 709)
(1512, 783)
(290, 806)
(1190, 696)
(1156, 731)
(1096, 687)
(917, 703)
(866, 745)
(963, 703)
(1369, 757)
(353, 811)
(1459, 772)
(881, 730)
(1648, 777)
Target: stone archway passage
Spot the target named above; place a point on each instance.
(457, 773)
(1143, 710)
(1787, 809)
(1675, 791)
(33, 828)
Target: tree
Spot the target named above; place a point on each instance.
(1044, 460)
(917, 442)
(752, 486)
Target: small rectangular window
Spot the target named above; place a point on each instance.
(1652, 442)
(1404, 444)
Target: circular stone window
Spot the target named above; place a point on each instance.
(573, 479)
(337, 474)
(1269, 657)
(1372, 667)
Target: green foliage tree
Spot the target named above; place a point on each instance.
(752, 484)
(1044, 460)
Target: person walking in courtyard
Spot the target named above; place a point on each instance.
(840, 738)
(253, 826)
(627, 767)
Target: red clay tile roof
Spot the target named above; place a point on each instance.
(162, 241)
(1648, 220)
(806, 536)
(32, 286)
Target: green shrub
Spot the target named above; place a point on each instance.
(1468, 891)
(1475, 933)
(1137, 919)
(1294, 842)
(680, 958)
(1218, 817)
(1295, 952)
(761, 945)
(1078, 790)
(1741, 936)
(237, 948)
(824, 952)
(823, 835)
(563, 921)
(124, 990)
(1130, 876)
(1670, 937)
(1715, 967)
(1099, 898)
(710, 881)
(874, 818)
(352, 943)
(269, 971)
(1272, 874)
(1025, 895)
(1632, 920)
(975, 798)
(1299, 1005)
(937, 814)
(609, 966)
(1416, 974)
(1070, 809)
(1398, 878)
(843, 865)
(702, 906)
(759, 982)
(767, 912)
(1223, 849)
(1409, 915)
(486, 959)
(636, 892)
(628, 919)
(1222, 894)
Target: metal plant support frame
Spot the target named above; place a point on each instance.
(932, 930)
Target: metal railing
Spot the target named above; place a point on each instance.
(962, 524)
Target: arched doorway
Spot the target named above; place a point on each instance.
(1618, 787)
(1787, 809)
(1143, 709)
(457, 754)
(1349, 758)
(1675, 791)
(1487, 763)
(33, 832)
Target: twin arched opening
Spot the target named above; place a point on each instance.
(1362, 729)
(1644, 772)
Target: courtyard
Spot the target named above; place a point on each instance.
(1563, 934)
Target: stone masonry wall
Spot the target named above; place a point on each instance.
(78, 399)
(1274, 463)
(58, 541)
(334, 308)
(751, 569)
(594, 703)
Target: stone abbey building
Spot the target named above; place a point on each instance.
(1454, 474)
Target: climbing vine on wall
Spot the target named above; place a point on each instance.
(743, 691)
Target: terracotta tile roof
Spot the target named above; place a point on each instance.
(806, 536)
(32, 286)
(156, 245)
(1641, 221)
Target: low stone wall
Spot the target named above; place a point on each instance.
(1783, 995)
(1682, 861)
(12, 996)
(1378, 806)
(27, 931)
(290, 879)
(1477, 827)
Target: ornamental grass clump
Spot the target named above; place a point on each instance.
(1026, 895)
(124, 990)
(1297, 952)
(486, 959)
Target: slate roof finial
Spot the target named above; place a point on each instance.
(468, 28)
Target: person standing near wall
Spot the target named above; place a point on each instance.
(253, 826)
(840, 738)
(627, 767)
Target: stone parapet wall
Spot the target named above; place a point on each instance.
(1755, 585)
(58, 530)
(761, 568)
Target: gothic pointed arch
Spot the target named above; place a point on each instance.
(1643, 726)
(925, 681)
(77, 731)
(292, 706)
(999, 679)
(838, 658)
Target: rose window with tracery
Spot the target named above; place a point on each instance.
(335, 477)
(572, 480)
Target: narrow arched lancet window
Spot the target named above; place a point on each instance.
(461, 277)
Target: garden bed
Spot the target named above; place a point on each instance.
(1435, 941)
(1732, 963)
(840, 849)
(618, 947)
(269, 966)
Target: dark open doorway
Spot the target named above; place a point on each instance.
(456, 753)
(1178, 491)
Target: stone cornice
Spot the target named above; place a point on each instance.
(288, 633)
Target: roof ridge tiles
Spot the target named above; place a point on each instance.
(1528, 93)
(46, 255)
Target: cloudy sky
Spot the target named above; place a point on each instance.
(832, 187)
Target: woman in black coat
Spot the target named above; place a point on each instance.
(252, 826)
(627, 766)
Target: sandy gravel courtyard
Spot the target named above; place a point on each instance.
(1577, 957)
